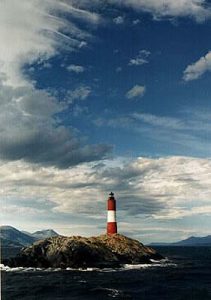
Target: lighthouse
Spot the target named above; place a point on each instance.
(111, 219)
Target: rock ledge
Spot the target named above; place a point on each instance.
(80, 252)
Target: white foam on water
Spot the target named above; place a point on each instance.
(113, 293)
(18, 269)
(89, 269)
(52, 270)
(31, 269)
(82, 269)
(27, 269)
(154, 264)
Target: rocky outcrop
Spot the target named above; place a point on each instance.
(80, 252)
(128, 250)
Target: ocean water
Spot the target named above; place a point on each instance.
(185, 274)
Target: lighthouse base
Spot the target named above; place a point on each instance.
(111, 227)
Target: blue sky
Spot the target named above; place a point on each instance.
(106, 96)
(106, 70)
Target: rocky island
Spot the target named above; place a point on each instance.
(80, 252)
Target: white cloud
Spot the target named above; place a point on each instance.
(80, 93)
(136, 91)
(197, 69)
(82, 44)
(160, 121)
(197, 9)
(136, 21)
(34, 30)
(179, 213)
(118, 20)
(151, 193)
(189, 120)
(75, 68)
(160, 188)
(188, 133)
(37, 29)
(140, 59)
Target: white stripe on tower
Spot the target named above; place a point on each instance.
(111, 216)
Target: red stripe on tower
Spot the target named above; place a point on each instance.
(111, 220)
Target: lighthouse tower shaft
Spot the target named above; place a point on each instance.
(111, 219)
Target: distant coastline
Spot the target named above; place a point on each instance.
(191, 241)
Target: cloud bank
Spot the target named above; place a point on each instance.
(160, 188)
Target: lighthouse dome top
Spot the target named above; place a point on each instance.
(111, 194)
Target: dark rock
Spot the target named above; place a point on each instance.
(80, 252)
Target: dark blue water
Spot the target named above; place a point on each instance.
(187, 276)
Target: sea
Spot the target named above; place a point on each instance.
(184, 274)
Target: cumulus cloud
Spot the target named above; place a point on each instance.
(140, 59)
(196, 9)
(75, 68)
(34, 131)
(197, 69)
(136, 91)
(118, 20)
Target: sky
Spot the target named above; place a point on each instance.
(100, 96)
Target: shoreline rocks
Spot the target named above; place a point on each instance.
(104, 251)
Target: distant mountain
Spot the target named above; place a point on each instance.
(11, 234)
(12, 237)
(8, 243)
(43, 234)
(191, 241)
(195, 241)
(26, 232)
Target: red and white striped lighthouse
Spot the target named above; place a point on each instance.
(111, 220)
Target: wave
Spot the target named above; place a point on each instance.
(27, 269)
(32, 269)
(154, 264)
(113, 293)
